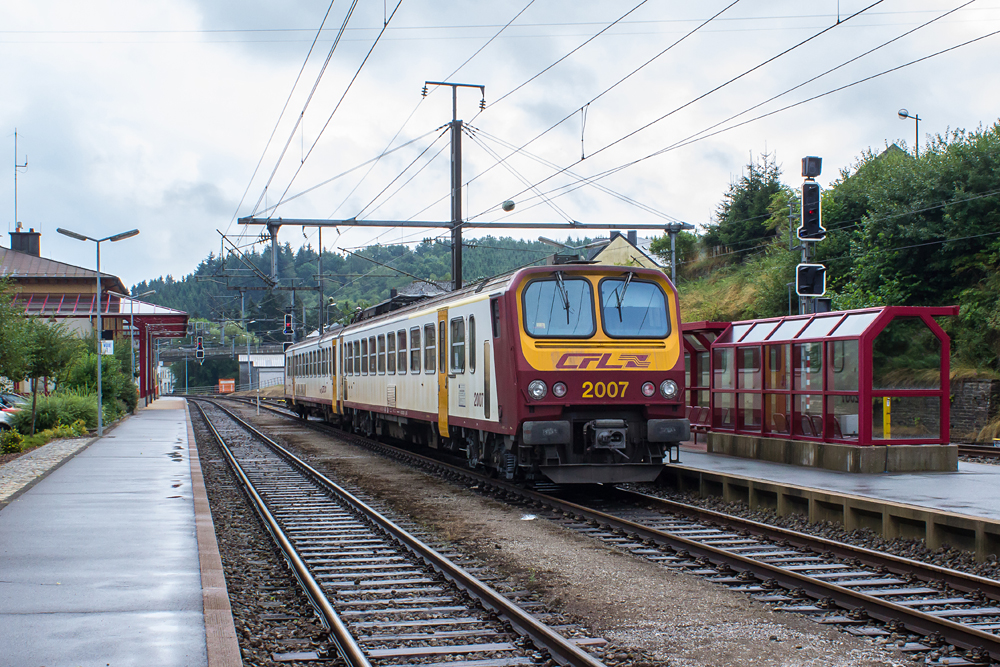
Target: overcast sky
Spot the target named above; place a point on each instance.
(155, 114)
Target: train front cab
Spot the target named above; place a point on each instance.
(600, 372)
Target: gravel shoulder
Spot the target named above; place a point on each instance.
(678, 619)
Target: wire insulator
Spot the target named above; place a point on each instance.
(423, 93)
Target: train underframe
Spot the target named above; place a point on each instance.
(609, 446)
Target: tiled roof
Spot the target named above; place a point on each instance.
(16, 265)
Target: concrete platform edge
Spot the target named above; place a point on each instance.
(889, 519)
(220, 629)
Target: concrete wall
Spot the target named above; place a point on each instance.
(973, 404)
(843, 458)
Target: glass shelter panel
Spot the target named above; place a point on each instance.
(906, 355)
(788, 329)
(778, 413)
(779, 365)
(749, 374)
(820, 327)
(725, 416)
(749, 411)
(842, 417)
(807, 419)
(855, 325)
(723, 373)
(807, 360)
(759, 332)
(906, 418)
(842, 365)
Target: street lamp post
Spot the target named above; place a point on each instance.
(82, 237)
(903, 115)
(673, 229)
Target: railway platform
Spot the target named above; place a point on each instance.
(959, 508)
(110, 557)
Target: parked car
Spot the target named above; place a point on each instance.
(5, 421)
(15, 399)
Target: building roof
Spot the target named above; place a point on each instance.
(19, 265)
(621, 252)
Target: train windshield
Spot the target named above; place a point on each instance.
(559, 307)
(633, 308)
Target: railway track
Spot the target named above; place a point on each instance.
(386, 597)
(981, 451)
(956, 615)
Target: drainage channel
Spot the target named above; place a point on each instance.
(946, 616)
(386, 596)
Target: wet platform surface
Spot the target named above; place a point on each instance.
(99, 560)
(974, 490)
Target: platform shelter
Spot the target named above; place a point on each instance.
(877, 376)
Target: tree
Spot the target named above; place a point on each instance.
(13, 335)
(742, 217)
(685, 246)
(51, 348)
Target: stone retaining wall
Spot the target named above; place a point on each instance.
(973, 404)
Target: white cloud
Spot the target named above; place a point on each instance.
(155, 114)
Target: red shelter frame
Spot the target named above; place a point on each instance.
(829, 377)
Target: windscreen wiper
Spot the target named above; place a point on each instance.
(621, 296)
(563, 293)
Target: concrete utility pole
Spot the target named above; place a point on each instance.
(456, 176)
(673, 229)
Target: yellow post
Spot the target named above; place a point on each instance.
(886, 417)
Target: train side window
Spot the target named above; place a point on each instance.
(401, 353)
(346, 359)
(442, 346)
(457, 364)
(415, 350)
(390, 353)
(371, 355)
(357, 357)
(364, 356)
(381, 354)
(310, 370)
(429, 348)
(495, 316)
(472, 344)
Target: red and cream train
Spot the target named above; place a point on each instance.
(572, 372)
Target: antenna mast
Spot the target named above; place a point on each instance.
(17, 224)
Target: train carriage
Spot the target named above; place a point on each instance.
(570, 372)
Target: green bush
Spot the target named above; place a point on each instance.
(63, 407)
(10, 442)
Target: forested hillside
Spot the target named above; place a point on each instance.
(901, 231)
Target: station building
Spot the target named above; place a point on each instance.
(67, 294)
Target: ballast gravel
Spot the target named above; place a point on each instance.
(652, 615)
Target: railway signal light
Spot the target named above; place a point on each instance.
(810, 280)
(811, 228)
(199, 352)
(811, 166)
(288, 324)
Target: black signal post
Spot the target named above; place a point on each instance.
(810, 279)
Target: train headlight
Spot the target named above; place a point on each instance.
(648, 389)
(558, 390)
(668, 388)
(537, 390)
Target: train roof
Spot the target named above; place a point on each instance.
(404, 303)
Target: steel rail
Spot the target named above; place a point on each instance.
(562, 651)
(984, 451)
(962, 581)
(955, 633)
(344, 640)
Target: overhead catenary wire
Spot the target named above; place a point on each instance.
(305, 106)
(329, 119)
(702, 96)
(614, 170)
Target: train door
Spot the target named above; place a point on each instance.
(335, 399)
(443, 372)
